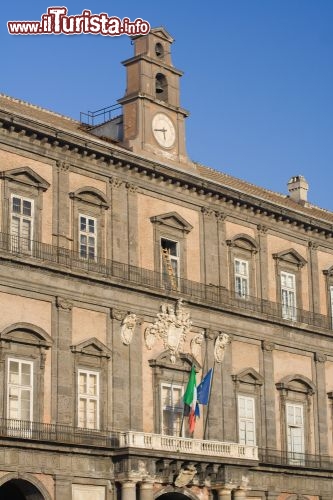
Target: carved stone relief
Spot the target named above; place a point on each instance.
(172, 326)
(221, 343)
(127, 328)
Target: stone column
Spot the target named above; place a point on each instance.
(147, 489)
(239, 494)
(224, 493)
(61, 201)
(321, 403)
(228, 397)
(268, 405)
(119, 222)
(212, 414)
(210, 246)
(222, 250)
(314, 286)
(128, 489)
(262, 272)
(133, 234)
(65, 403)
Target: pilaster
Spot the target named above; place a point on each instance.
(65, 397)
(119, 221)
(268, 404)
(210, 238)
(262, 273)
(321, 412)
(314, 286)
(133, 235)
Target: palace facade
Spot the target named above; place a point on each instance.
(123, 263)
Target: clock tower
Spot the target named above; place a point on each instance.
(153, 121)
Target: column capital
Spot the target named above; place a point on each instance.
(320, 357)
(267, 346)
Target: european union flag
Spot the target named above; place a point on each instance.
(203, 389)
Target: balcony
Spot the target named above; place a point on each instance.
(128, 275)
(22, 430)
(281, 458)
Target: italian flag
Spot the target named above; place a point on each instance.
(191, 408)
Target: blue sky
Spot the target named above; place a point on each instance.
(258, 79)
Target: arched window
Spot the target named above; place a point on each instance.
(161, 87)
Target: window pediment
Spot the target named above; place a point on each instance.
(290, 256)
(172, 220)
(92, 347)
(297, 383)
(90, 195)
(26, 176)
(183, 362)
(25, 333)
(243, 241)
(249, 376)
(328, 272)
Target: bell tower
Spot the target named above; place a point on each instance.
(153, 121)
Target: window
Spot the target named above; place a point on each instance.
(20, 389)
(172, 409)
(288, 296)
(170, 262)
(88, 399)
(21, 223)
(241, 278)
(87, 237)
(295, 432)
(246, 420)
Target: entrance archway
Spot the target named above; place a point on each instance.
(19, 489)
(175, 495)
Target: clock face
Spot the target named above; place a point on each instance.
(164, 130)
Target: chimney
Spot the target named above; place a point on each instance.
(298, 188)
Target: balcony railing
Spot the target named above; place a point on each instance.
(128, 274)
(113, 440)
(294, 459)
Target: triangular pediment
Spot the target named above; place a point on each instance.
(249, 376)
(27, 176)
(161, 32)
(291, 256)
(92, 347)
(173, 220)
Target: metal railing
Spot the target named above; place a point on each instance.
(128, 274)
(93, 118)
(294, 459)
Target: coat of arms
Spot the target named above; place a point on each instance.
(172, 326)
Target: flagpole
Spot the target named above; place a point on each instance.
(210, 390)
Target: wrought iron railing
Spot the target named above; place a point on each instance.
(129, 274)
(294, 459)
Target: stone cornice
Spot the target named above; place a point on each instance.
(50, 138)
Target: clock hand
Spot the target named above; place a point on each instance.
(161, 130)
